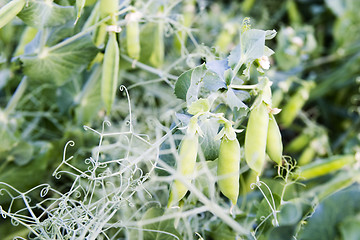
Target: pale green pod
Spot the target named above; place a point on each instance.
(274, 146)
(180, 38)
(185, 167)
(306, 156)
(110, 72)
(108, 7)
(228, 168)
(133, 35)
(295, 104)
(323, 167)
(10, 10)
(158, 52)
(256, 137)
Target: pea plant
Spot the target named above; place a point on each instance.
(172, 120)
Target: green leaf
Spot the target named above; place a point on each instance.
(40, 14)
(252, 44)
(213, 82)
(210, 145)
(349, 228)
(201, 105)
(89, 102)
(329, 213)
(161, 230)
(7, 136)
(182, 84)
(27, 176)
(234, 56)
(22, 153)
(195, 84)
(218, 67)
(282, 233)
(188, 85)
(290, 213)
(234, 99)
(59, 64)
(251, 47)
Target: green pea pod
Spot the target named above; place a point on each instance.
(10, 10)
(185, 166)
(277, 98)
(109, 8)
(294, 105)
(274, 146)
(293, 12)
(110, 72)
(298, 143)
(132, 35)
(249, 178)
(340, 181)
(228, 168)
(180, 38)
(157, 56)
(323, 167)
(306, 156)
(256, 137)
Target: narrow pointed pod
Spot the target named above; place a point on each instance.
(324, 166)
(256, 137)
(274, 146)
(180, 38)
(110, 72)
(158, 52)
(298, 143)
(10, 10)
(228, 168)
(133, 35)
(295, 104)
(107, 8)
(185, 167)
(306, 156)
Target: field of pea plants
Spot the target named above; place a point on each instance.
(179, 119)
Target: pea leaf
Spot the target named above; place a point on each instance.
(22, 153)
(210, 145)
(219, 67)
(234, 99)
(89, 102)
(290, 212)
(330, 212)
(195, 84)
(188, 85)
(33, 172)
(251, 47)
(234, 56)
(40, 14)
(161, 230)
(213, 82)
(59, 64)
(182, 84)
(349, 228)
(282, 233)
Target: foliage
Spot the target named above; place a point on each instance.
(117, 88)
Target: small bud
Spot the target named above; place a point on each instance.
(264, 62)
